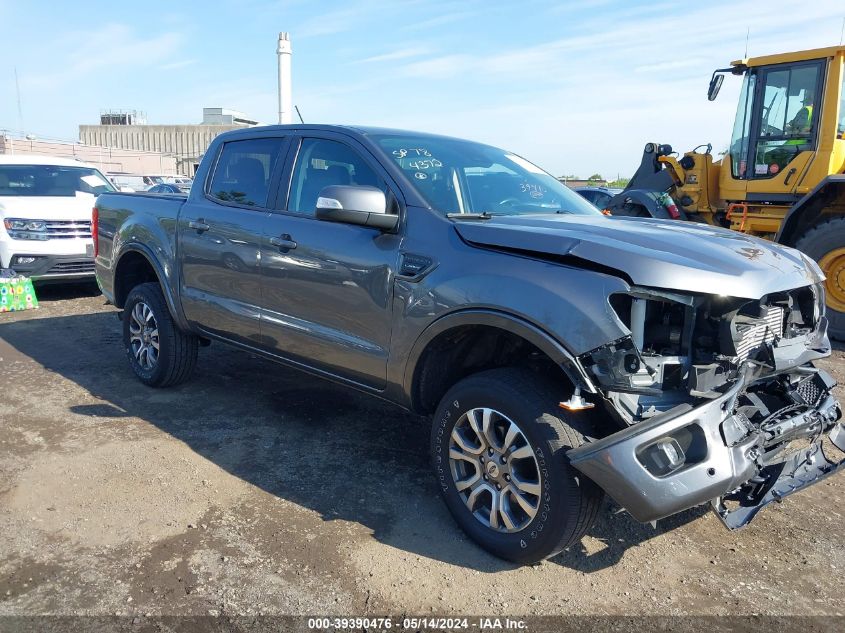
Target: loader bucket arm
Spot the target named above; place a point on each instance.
(653, 177)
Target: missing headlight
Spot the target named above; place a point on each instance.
(656, 319)
(618, 366)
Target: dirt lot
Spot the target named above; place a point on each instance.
(257, 489)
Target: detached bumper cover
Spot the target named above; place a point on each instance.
(714, 466)
(802, 469)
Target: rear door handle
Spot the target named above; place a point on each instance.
(284, 242)
(199, 225)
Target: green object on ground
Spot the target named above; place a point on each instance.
(17, 293)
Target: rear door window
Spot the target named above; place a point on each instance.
(244, 171)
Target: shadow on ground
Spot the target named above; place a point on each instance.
(340, 453)
(46, 291)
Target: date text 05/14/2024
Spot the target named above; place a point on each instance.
(418, 623)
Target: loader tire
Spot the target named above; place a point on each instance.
(825, 243)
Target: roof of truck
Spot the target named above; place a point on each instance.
(364, 130)
(31, 159)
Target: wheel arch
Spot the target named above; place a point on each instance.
(438, 343)
(137, 265)
(826, 199)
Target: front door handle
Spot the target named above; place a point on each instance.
(284, 242)
(199, 225)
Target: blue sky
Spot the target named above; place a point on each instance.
(577, 87)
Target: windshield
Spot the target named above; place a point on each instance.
(462, 177)
(51, 180)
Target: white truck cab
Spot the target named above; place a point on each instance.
(45, 216)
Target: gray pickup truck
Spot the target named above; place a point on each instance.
(561, 354)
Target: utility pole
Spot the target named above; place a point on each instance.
(285, 52)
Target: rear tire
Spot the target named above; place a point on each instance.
(161, 355)
(524, 409)
(822, 243)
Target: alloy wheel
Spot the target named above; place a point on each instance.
(495, 470)
(143, 335)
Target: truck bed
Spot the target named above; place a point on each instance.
(143, 218)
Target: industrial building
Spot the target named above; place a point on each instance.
(106, 159)
(187, 143)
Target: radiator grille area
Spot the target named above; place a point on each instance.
(58, 229)
(765, 330)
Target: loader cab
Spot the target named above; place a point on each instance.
(788, 125)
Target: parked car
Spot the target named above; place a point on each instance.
(560, 354)
(127, 182)
(169, 188)
(45, 207)
(599, 196)
(152, 180)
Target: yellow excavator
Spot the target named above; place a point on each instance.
(782, 175)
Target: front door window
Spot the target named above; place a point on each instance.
(321, 163)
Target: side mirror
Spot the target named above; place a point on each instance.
(365, 206)
(715, 85)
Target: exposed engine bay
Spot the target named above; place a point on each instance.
(700, 374)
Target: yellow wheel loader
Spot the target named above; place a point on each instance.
(782, 175)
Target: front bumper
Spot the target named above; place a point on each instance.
(53, 267)
(719, 462)
(803, 468)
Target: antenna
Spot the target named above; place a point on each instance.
(842, 32)
(18, 91)
(296, 107)
(747, 33)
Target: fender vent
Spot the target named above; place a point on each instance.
(414, 266)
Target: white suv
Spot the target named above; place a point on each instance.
(45, 210)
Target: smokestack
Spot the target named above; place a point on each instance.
(284, 52)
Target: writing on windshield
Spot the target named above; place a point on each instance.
(457, 176)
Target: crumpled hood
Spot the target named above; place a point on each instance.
(665, 254)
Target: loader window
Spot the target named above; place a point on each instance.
(786, 115)
(742, 128)
(840, 130)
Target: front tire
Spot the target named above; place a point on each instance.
(161, 355)
(499, 444)
(825, 243)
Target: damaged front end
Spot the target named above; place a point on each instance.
(718, 400)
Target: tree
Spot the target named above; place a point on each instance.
(595, 177)
(619, 183)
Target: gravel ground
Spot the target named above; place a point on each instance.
(257, 489)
